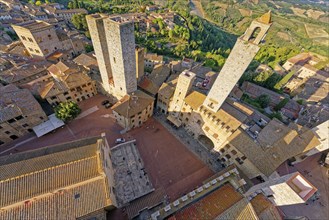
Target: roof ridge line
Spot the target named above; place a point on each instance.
(53, 191)
(49, 168)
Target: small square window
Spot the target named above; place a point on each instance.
(11, 120)
(19, 117)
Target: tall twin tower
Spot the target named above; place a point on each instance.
(114, 44)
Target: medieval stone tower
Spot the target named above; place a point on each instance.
(97, 32)
(114, 43)
(184, 85)
(239, 59)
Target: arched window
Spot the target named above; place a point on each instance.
(254, 34)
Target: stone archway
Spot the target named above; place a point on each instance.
(207, 142)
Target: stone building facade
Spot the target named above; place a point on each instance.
(68, 84)
(39, 38)
(133, 110)
(19, 113)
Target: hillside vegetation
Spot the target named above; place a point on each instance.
(296, 27)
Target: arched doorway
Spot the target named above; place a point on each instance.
(207, 142)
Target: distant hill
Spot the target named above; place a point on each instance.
(298, 25)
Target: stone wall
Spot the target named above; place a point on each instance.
(235, 65)
(97, 32)
(39, 43)
(121, 44)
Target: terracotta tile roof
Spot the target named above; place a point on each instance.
(265, 18)
(65, 83)
(148, 85)
(283, 144)
(69, 11)
(300, 58)
(166, 90)
(66, 174)
(34, 25)
(195, 99)
(232, 111)
(211, 206)
(62, 205)
(241, 210)
(18, 73)
(51, 88)
(21, 99)
(131, 105)
(159, 74)
(154, 57)
(265, 209)
(85, 60)
(58, 69)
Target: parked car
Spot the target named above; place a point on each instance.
(108, 105)
(322, 159)
(120, 140)
(105, 102)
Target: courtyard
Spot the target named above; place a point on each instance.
(170, 165)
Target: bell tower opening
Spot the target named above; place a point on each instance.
(254, 34)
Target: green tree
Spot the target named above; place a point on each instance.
(89, 48)
(79, 21)
(277, 115)
(67, 111)
(170, 34)
(70, 5)
(261, 78)
(284, 80)
(281, 104)
(38, 3)
(263, 100)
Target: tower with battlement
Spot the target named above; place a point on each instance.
(239, 59)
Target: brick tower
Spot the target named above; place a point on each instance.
(239, 59)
